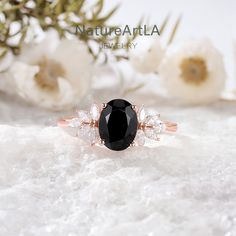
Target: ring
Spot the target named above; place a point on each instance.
(117, 125)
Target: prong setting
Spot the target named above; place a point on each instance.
(135, 108)
(102, 142)
(104, 105)
(133, 144)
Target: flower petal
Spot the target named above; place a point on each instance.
(207, 91)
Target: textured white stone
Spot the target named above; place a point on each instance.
(52, 184)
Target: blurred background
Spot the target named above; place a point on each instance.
(214, 19)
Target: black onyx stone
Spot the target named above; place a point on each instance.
(118, 124)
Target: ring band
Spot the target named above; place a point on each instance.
(117, 125)
(65, 122)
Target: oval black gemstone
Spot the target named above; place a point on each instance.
(118, 124)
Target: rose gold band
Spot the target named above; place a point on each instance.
(170, 126)
(65, 123)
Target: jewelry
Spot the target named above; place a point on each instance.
(117, 125)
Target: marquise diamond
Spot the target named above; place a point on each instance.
(140, 138)
(95, 112)
(74, 123)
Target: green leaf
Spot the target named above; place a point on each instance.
(108, 16)
(164, 23)
(175, 28)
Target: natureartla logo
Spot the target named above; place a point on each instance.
(118, 31)
(126, 31)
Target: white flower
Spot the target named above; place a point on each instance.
(53, 74)
(6, 60)
(194, 72)
(148, 60)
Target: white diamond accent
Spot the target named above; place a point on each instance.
(74, 123)
(140, 138)
(94, 136)
(84, 132)
(152, 133)
(84, 116)
(89, 134)
(157, 126)
(95, 112)
(154, 121)
(141, 114)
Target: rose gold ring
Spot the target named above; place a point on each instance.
(117, 125)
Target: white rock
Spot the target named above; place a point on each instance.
(52, 184)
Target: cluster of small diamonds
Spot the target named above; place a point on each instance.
(150, 126)
(86, 122)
